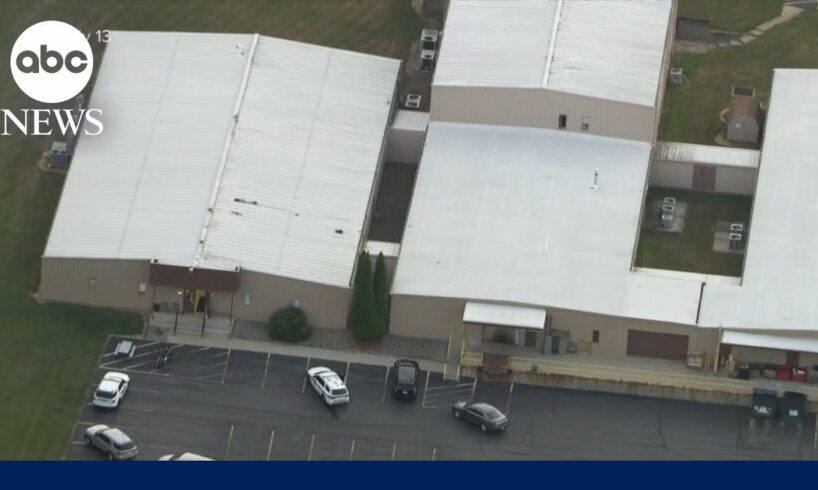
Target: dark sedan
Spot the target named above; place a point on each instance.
(488, 418)
(405, 376)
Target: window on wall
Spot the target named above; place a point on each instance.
(563, 121)
(586, 123)
(248, 300)
(595, 337)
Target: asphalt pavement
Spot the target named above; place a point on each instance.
(241, 405)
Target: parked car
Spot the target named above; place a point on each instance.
(405, 376)
(112, 441)
(487, 417)
(329, 386)
(184, 457)
(111, 390)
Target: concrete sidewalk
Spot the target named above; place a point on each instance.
(297, 351)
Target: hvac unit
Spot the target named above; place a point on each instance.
(736, 227)
(668, 209)
(666, 221)
(428, 39)
(736, 241)
(669, 200)
(427, 60)
(412, 101)
(676, 76)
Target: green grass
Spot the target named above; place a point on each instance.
(731, 15)
(691, 112)
(47, 353)
(692, 251)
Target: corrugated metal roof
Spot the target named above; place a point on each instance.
(504, 214)
(782, 342)
(706, 154)
(300, 164)
(306, 150)
(781, 266)
(411, 120)
(609, 49)
(140, 189)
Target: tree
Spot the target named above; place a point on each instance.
(289, 324)
(381, 290)
(364, 319)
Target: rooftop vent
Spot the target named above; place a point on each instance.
(427, 60)
(412, 101)
(736, 227)
(428, 39)
(669, 200)
(676, 76)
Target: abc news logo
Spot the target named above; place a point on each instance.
(51, 62)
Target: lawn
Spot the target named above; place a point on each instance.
(731, 15)
(691, 112)
(692, 251)
(47, 353)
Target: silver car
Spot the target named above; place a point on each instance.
(113, 442)
(111, 390)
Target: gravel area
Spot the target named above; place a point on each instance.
(393, 345)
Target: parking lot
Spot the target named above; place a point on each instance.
(241, 405)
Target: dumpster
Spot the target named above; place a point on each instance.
(764, 404)
(794, 407)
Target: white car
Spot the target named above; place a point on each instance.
(111, 390)
(111, 441)
(184, 457)
(329, 386)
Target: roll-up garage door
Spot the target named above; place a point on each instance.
(659, 345)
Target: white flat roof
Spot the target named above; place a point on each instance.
(505, 214)
(706, 154)
(504, 315)
(781, 265)
(609, 49)
(778, 341)
(288, 184)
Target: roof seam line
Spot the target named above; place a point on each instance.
(552, 43)
(228, 143)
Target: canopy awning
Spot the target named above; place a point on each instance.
(504, 315)
(781, 342)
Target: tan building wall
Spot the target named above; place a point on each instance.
(325, 306)
(94, 282)
(418, 316)
(679, 175)
(541, 108)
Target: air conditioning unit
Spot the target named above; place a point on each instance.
(735, 241)
(428, 39)
(666, 221)
(412, 101)
(736, 227)
(669, 200)
(427, 60)
(676, 76)
(668, 209)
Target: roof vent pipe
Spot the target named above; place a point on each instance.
(595, 185)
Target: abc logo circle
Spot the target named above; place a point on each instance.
(51, 62)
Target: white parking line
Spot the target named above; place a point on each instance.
(144, 390)
(107, 365)
(264, 378)
(385, 382)
(312, 445)
(474, 387)
(456, 387)
(815, 439)
(346, 374)
(229, 443)
(508, 401)
(425, 388)
(351, 449)
(304, 384)
(434, 454)
(394, 448)
(226, 364)
(270, 447)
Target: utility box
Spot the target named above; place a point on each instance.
(676, 76)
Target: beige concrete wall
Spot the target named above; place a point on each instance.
(417, 316)
(541, 108)
(95, 282)
(325, 306)
(679, 175)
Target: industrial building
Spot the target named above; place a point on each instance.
(235, 175)
(578, 66)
